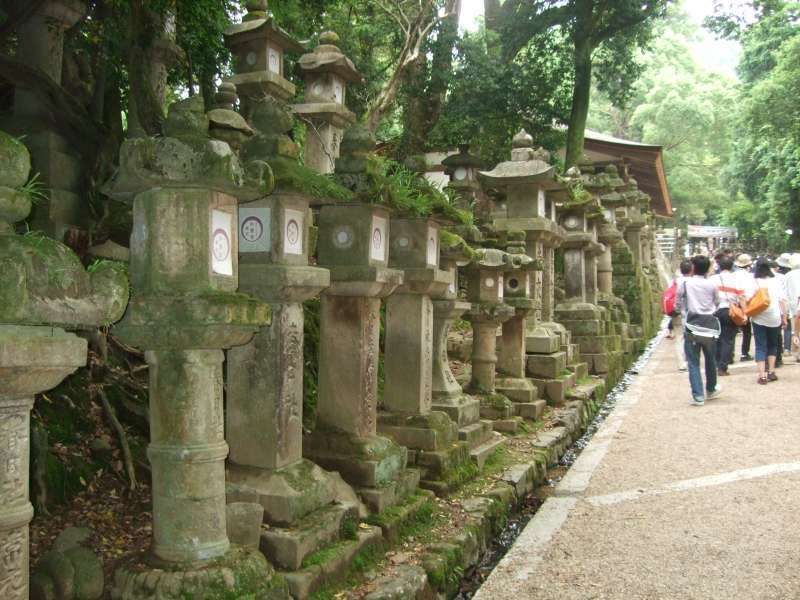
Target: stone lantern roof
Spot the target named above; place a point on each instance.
(328, 58)
(526, 165)
(462, 159)
(259, 24)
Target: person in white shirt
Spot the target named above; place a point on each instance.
(792, 285)
(729, 294)
(767, 324)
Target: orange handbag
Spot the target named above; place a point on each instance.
(758, 303)
(737, 315)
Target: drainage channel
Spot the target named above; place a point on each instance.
(516, 523)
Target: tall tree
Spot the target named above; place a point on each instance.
(609, 29)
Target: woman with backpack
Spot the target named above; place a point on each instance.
(767, 308)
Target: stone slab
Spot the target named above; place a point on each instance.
(547, 366)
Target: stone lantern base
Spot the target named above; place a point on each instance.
(433, 447)
(375, 466)
(592, 330)
(240, 573)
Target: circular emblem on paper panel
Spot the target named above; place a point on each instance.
(488, 282)
(221, 245)
(403, 242)
(377, 239)
(251, 58)
(343, 236)
(460, 174)
(572, 222)
(513, 283)
(252, 229)
(292, 232)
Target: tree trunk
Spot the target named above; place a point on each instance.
(580, 99)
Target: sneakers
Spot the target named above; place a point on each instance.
(715, 393)
(722, 373)
(772, 377)
(697, 401)
(683, 367)
(762, 381)
(745, 358)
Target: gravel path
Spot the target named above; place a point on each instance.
(673, 501)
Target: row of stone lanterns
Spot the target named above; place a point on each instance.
(221, 261)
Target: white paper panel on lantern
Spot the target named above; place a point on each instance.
(221, 242)
(433, 248)
(293, 227)
(274, 60)
(255, 230)
(542, 205)
(500, 287)
(528, 286)
(377, 248)
(338, 90)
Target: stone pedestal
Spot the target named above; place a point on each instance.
(32, 360)
(448, 396)
(187, 454)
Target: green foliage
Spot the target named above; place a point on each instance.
(688, 110)
(35, 190)
(311, 334)
(408, 193)
(292, 175)
(764, 168)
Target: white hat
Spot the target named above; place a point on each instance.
(794, 261)
(783, 260)
(744, 260)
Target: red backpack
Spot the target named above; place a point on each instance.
(670, 298)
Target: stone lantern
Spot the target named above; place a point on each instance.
(184, 311)
(45, 290)
(447, 395)
(485, 290)
(512, 359)
(258, 46)
(463, 169)
(353, 243)
(531, 189)
(408, 418)
(326, 72)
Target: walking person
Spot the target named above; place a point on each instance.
(698, 300)
(784, 268)
(744, 281)
(729, 294)
(684, 271)
(792, 284)
(767, 324)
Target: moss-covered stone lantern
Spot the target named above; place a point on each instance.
(183, 312)
(327, 73)
(44, 290)
(258, 46)
(462, 169)
(407, 416)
